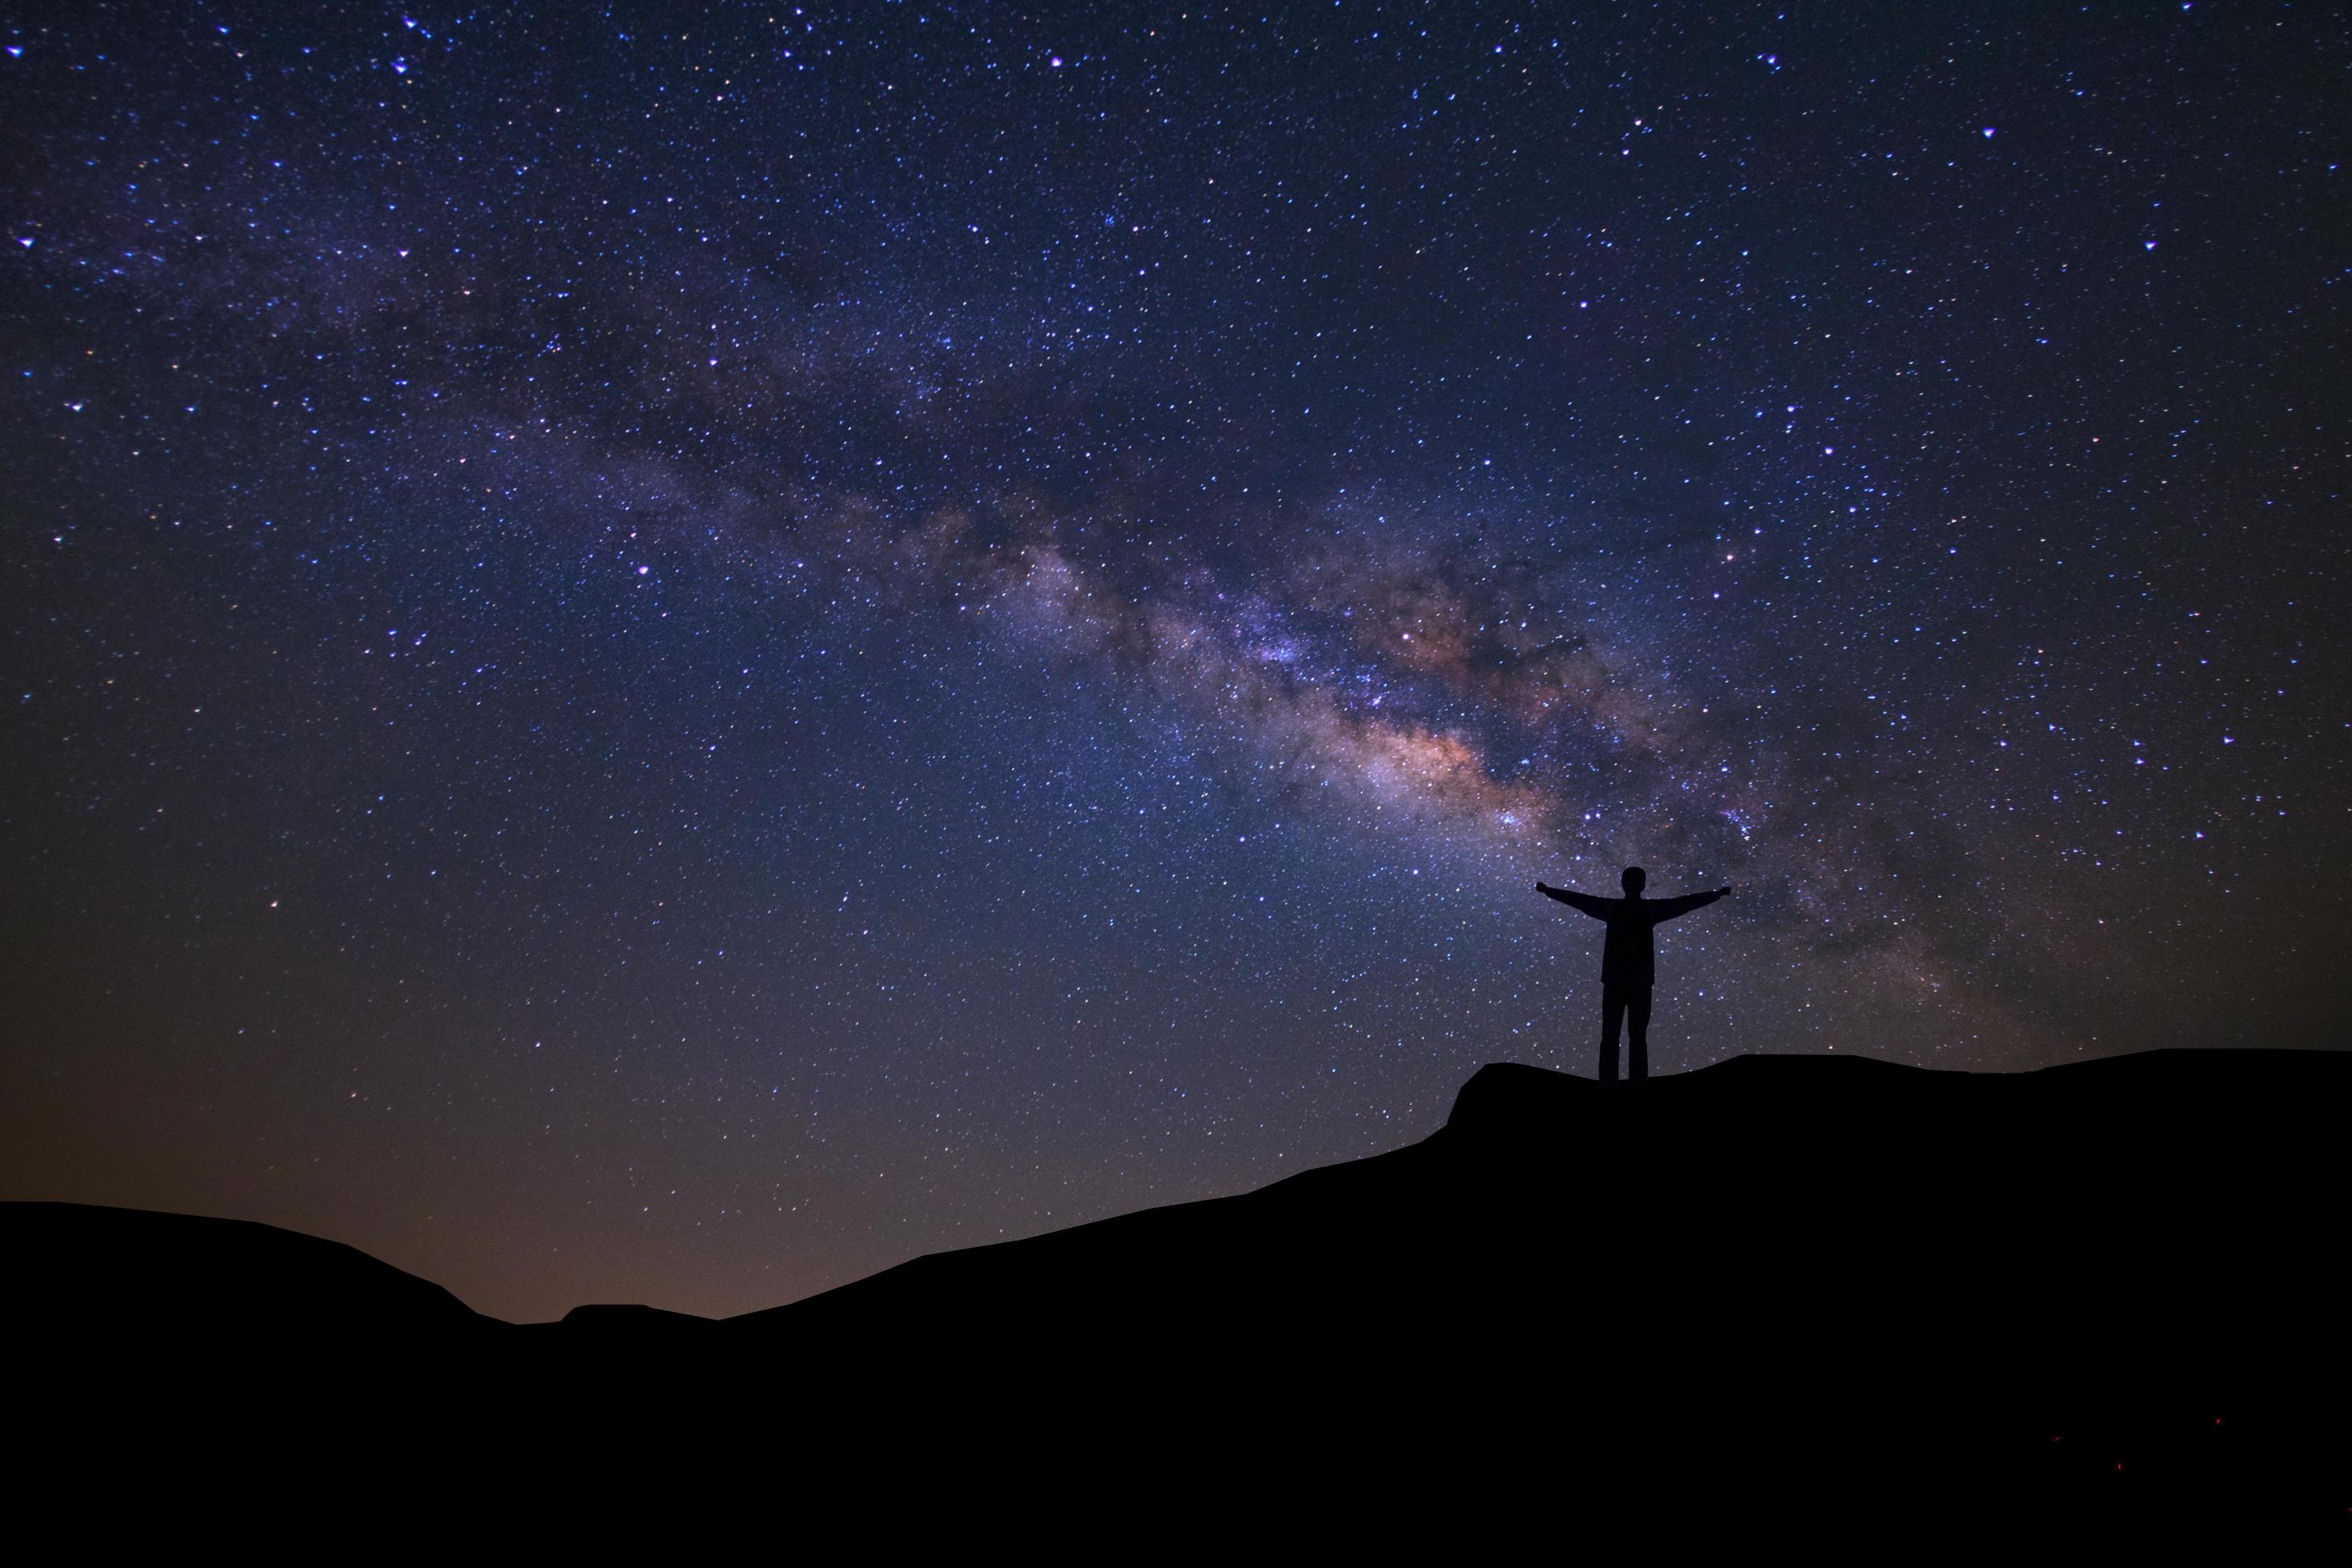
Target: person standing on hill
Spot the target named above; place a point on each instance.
(1628, 963)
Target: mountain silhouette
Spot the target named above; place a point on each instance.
(92, 1275)
(1831, 1292)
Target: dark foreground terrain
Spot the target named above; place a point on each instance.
(1823, 1300)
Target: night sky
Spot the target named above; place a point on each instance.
(668, 656)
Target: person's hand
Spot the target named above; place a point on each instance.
(1723, 891)
(1541, 889)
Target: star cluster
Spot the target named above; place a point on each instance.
(673, 654)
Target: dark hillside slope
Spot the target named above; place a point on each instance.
(1944, 1282)
(1947, 1212)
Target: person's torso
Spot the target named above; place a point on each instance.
(1629, 957)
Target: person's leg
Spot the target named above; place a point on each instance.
(1637, 1033)
(1613, 1011)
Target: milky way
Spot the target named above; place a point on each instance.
(672, 657)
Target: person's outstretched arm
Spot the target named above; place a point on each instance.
(1667, 909)
(1597, 908)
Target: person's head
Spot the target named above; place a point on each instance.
(1633, 882)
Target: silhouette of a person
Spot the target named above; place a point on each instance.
(1628, 963)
